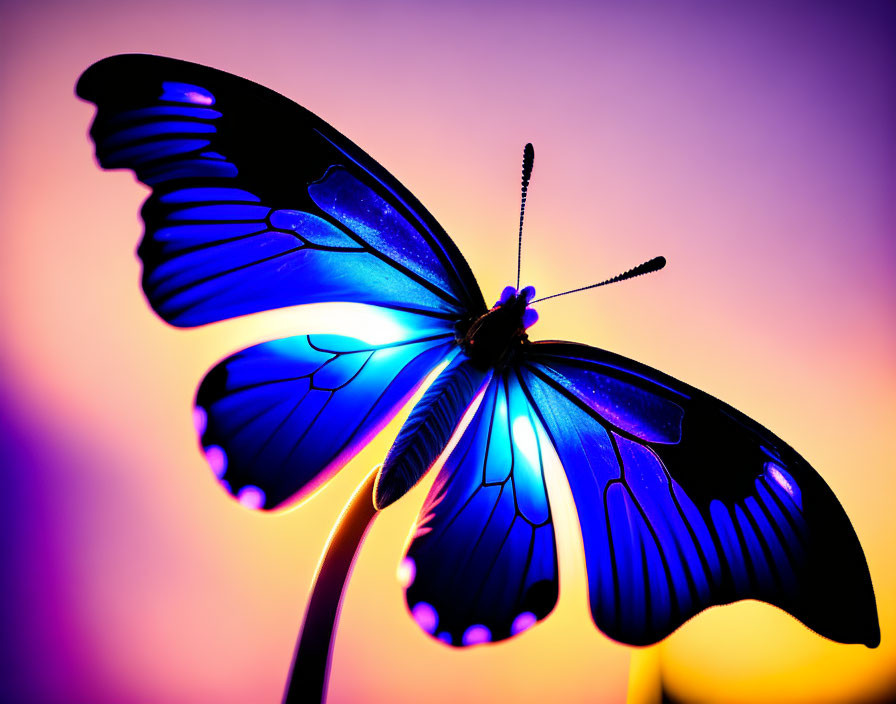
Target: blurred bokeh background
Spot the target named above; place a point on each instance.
(751, 143)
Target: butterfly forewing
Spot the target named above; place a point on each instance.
(259, 204)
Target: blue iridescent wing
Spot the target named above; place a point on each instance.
(482, 565)
(278, 419)
(685, 503)
(258, 204)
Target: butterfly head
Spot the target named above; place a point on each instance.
(491, 340)
(517, 301)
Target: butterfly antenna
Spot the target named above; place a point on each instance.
(654, 264)
(528, 161)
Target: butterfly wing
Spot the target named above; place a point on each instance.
(482, 564)
(685, 503)
(258, 204)
(278, 419)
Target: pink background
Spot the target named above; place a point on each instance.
(751, 145)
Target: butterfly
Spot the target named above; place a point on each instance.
(683, 502)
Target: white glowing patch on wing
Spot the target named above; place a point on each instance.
(374, 326)
(501, 409)
(525, 441)
(370, 324)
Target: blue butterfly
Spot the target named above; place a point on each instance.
(683, 502)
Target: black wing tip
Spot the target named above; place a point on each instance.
(851, 633)
(863, 625)
(874, 639)
(86, 87)
(864, 628)
(849, 629)
(96, 77)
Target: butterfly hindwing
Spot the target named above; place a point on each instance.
(684, 503)
(482, 565)
(278, 419)
(259, 204)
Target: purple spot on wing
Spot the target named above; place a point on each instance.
(200, 420)
(445, 637)
(523, 622)
(217, 460)
(425, 616)
(199, 98)
(251, 496)
(528, 293)
(407, 571)
(477, 634)
(186, 93)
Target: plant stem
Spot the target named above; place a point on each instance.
(311, 663)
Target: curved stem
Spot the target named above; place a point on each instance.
(311, 662)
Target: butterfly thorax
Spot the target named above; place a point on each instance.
(492, 339)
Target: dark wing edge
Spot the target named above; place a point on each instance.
(716, 476)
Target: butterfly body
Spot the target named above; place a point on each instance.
(493, 340)
(683, 502)
(427, 431)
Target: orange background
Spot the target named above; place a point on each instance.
(751, 145)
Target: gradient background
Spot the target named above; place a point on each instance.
(750, 143)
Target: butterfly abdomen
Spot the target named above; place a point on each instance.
(428, 429)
